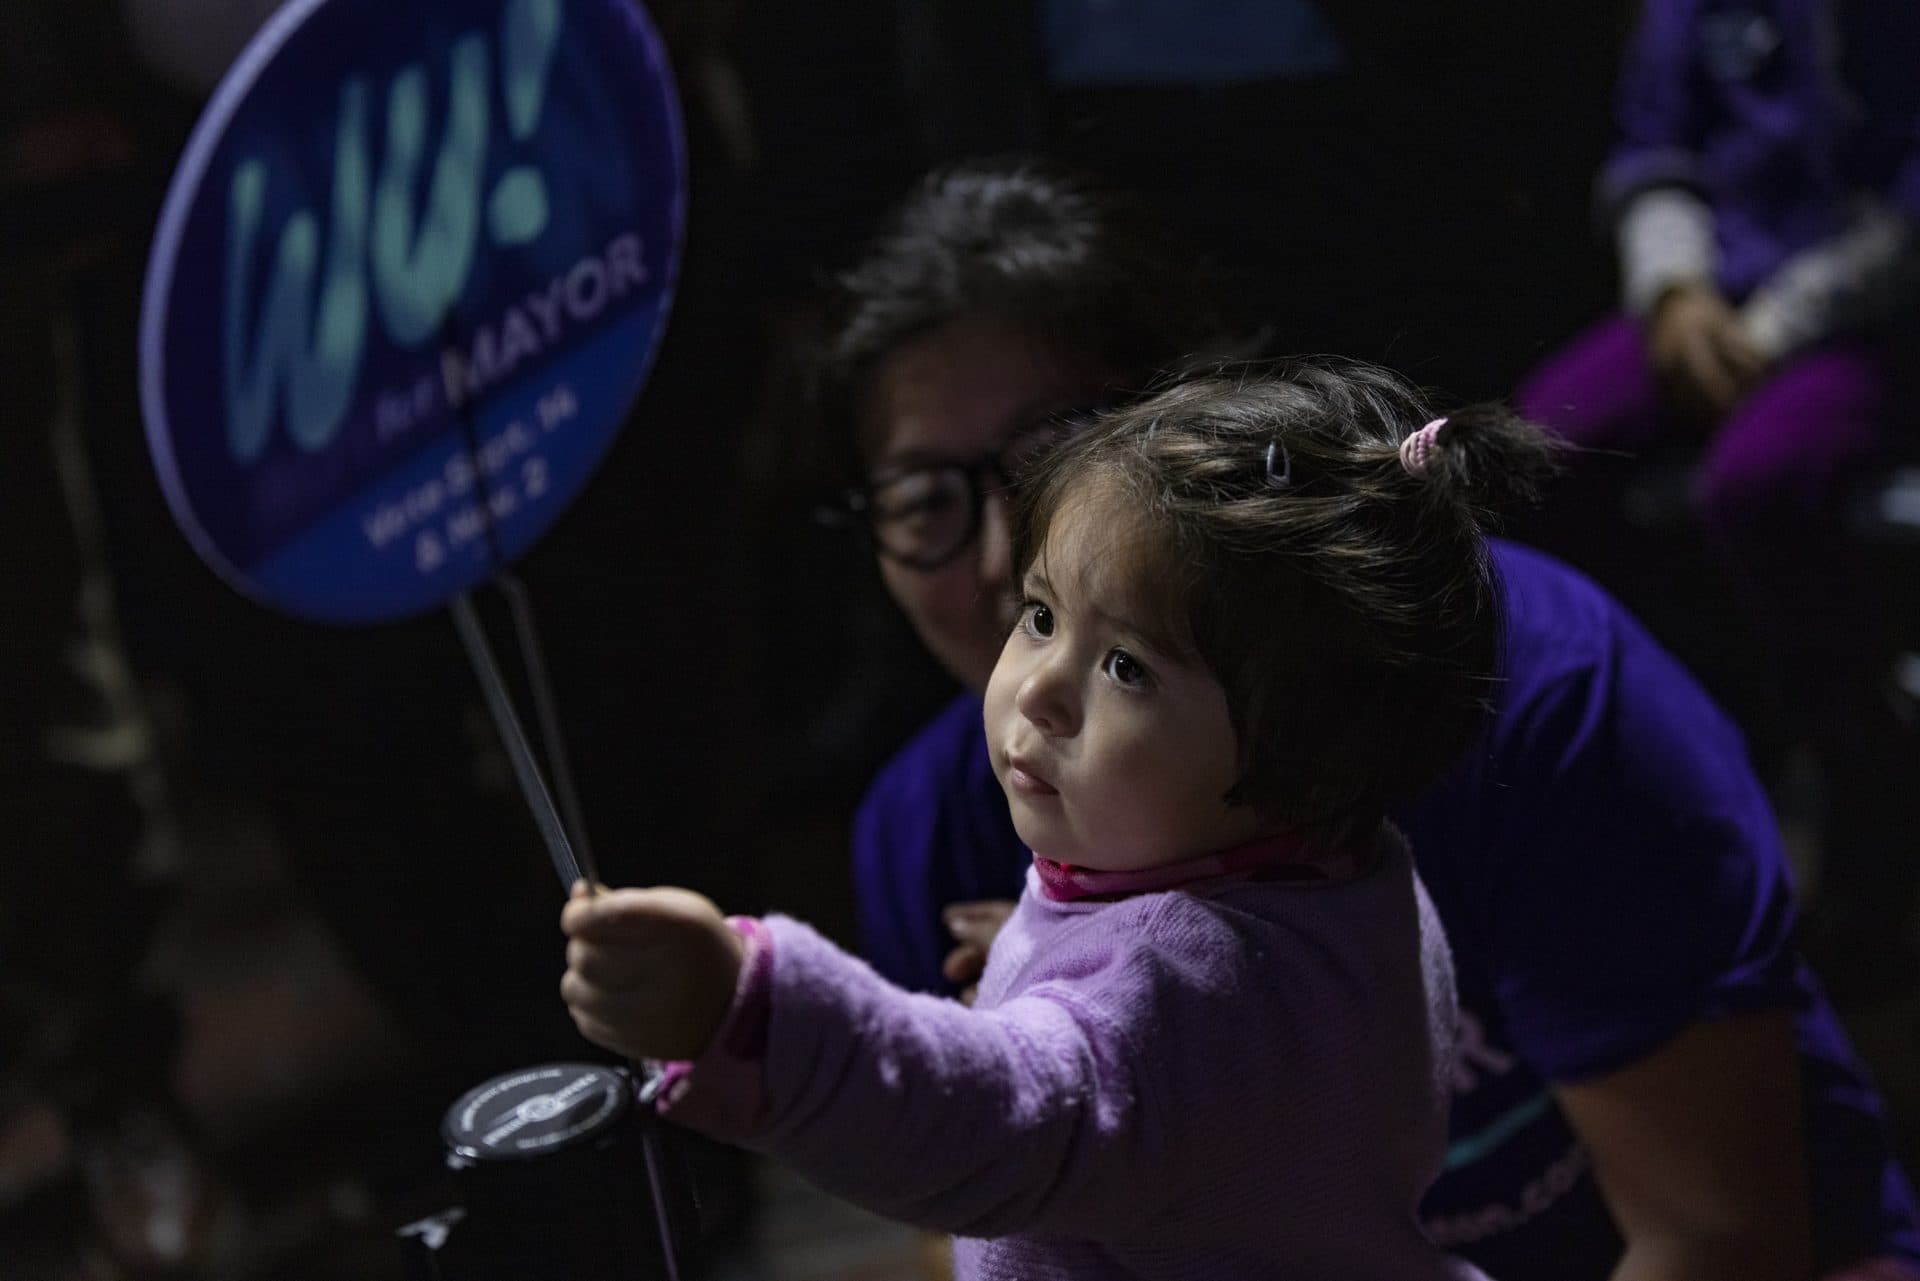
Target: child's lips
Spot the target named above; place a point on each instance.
(1022, 779)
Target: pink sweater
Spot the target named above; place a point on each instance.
(1240, 1079)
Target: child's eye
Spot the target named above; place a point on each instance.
(1036, 619)
(1127, 670)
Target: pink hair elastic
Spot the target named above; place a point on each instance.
(1417, 448)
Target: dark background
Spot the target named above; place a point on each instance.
(282, 903)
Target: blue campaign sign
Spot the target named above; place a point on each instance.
(408, 280)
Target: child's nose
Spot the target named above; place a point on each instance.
(1046, 698)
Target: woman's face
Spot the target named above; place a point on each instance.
(958, 394)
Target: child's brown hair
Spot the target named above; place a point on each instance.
(1344, 602)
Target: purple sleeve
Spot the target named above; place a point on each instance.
(1032, 1106)
(1656, 108)
(1641, 884)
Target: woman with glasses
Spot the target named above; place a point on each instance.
(1649, 1083)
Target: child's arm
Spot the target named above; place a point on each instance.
(980, 1123)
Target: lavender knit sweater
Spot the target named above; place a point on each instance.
(1238, 1080)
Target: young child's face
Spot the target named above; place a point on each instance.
(1113, 754)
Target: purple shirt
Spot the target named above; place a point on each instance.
(1608, 870)
(1233, 1080)
(1778, 112)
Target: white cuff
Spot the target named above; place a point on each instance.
(1665, 237)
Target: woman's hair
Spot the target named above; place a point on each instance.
(1344, 603)
(1087, 271)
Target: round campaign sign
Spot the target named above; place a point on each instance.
(407, 282)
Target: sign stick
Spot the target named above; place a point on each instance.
(565, 839)
(500, 704)
(674, 1231)
(547, 715)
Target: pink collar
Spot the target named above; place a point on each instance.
(1271, 858)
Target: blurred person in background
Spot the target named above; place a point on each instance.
(1763, 192)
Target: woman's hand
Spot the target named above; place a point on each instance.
(650, 973)
(1700, 353)
(974, 927)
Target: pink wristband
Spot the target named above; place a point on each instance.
(743, 1033)
(742, 1036)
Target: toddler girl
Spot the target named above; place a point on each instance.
(1213, 1039)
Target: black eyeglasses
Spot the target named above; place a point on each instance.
(925, 514)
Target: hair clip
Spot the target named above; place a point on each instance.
(1416, 449)
(1283, 478)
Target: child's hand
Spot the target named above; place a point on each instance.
(650, 973)
(974, 927)
(1700, 353)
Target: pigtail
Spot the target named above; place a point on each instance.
(1484, 456)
